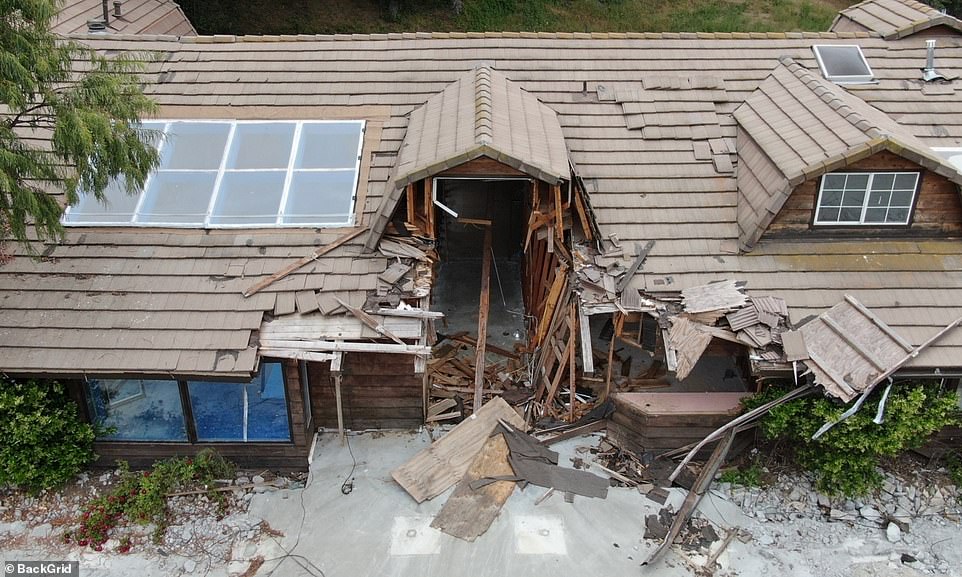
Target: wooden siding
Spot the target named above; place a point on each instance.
(379, 391)
(938, 210)
(481, 167)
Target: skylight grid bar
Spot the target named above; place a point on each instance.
(357, 172)
(220, 174)
(295, 147)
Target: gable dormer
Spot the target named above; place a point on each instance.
(812, 156)
(894, 19)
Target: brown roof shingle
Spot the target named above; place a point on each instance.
(893, 18)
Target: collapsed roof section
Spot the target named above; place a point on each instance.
(892, 19)
(795, 127)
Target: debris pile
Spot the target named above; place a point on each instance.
(485, 456)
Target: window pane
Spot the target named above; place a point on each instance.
(878, 198)
(875, 214)
(834, 181)
(261, 145)
(828, 215)
(853, 198)
(117, 206)
(320, 197)
(902, 198)
(177, 197)
(248, 198)
(255, 411)
(194, 145)
(898, 215)
(843, 61)
(328, 145)
(137, 410)
(906, 181)
(883, 181)
(831, 198)
(856, 181)
(850, 214)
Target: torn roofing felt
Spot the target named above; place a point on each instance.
(482, 113)
(797, 126)
(892, 18)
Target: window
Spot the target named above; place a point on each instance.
(219, 174)
(866, 198)
(255, 411)
(843, 64)
(154, 410)
(137, 410)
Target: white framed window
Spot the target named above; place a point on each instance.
(843, 63)
(239, 174)
(866, 198)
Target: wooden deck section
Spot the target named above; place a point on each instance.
(658, 422)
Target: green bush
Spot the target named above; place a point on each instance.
(845, 458)
(749, 475)
(141, 497)
(43, 441)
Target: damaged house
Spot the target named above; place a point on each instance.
(371, 231)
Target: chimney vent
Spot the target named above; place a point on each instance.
(96, 26)
(929, 73)
(117, 11)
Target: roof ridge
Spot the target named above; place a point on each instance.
(483, 131)
(828, 95)
(237, 39)
(920, 6)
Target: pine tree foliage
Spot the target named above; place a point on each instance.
(68, 122)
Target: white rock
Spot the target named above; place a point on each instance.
(893, 533)
(257, 479)
(41, 531)
(189, 566)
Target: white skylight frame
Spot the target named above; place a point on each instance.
(951, 154)
(865, 206)
(868, 78)
(289, 172)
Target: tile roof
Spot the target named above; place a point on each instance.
(482, 113)
(137, 17)
(799, 126)
(893, 18)
(667, 189)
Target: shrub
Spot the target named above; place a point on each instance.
(749, 475)
(43, 441)
(845, 458)
(141, 497)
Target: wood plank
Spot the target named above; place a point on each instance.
(264, 283)
(583, 217)
(369, 321)
(554, 295)
(584, 326)
(572, 385)
(483, 307)
(438, 467)
(441, 406)
(468, 513)
(412, 212)
(272, 345)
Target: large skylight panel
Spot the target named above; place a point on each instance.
(843, 63)
(219, 173)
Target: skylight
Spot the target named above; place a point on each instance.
(843, 63)
(953, 155)
(220, 174)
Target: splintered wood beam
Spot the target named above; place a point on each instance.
(370, 321)
(572, 385)
(337, 376)
(568, 352)
(635, 265)
(583, 217)
(558, 211)
(483, 307)
(618, 321)
(264, 283)
(554, 295)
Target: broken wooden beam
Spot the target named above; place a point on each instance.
(635, 265)
(369, 321)
(264, 283)
(483, 307)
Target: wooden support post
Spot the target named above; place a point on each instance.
(429, 207)
(338, 376)
(412, 209)
(558, 213)
(572, 386)
(583, 216)
(482, 318)
(618, 320)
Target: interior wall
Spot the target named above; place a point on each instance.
(500, 201)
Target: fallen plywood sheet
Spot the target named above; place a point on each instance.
(688, 342)
(469, 512)
(437, 468)
(716, 296)
(848, 347)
